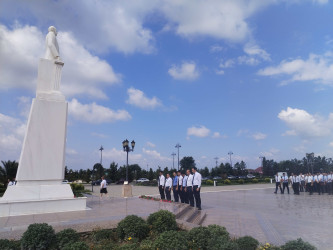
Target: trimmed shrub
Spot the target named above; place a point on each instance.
(78, 189)
(67, 236)
(268, 180)
(171, 240)
(241, 181)
(9, 244)
(209, 182)
(147, 245)
(218, 231)
(298, 244)
(199, 237)
(104, 245)
(38, 236)
(227, 182)
(162, 221)
(102, 234)
(255, 180)
(79, 245)
(128, 247)
(132, 226)
(247, 243)
(217, 243)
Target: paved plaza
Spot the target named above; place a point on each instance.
(243, 209)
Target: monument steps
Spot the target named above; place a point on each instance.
(191, 215)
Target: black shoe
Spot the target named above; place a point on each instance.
(274, 192)
(199, 208)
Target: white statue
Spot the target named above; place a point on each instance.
(52, 47)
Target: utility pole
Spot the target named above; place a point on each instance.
(216, 158)
(178, 146)
(101, 149)
(230, 153)
(173, 160)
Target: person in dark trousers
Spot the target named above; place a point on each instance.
(302, 182)
(285, 182)
(161, 184)
(309, 183)
(277, 183)
(329, 183)
(196, 187)
(189, 187)
(175, 187)
(180, 184)
(296, 184)
(184, 193)
(168, 187)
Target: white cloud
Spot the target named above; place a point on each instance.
(137, 98)
(242, 132)
(259, 136)
(215, 48)
(99, 135)
(270, 154)
(304, 124)
(201, 131)
(331, 144)
(217, 135)
(70, 151)
(94, 113)
(120, 156)
(83, 73)
(154, 154)
(150, 144)
(253, 49)
(187, 71)
(317, 68)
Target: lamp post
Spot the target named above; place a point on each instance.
(310, 157)
(178, 146)
(101, 149)
(230, 153)
(216, 158)
(173, 160)
(128, 149)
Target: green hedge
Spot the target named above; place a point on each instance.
(162, 221)
(67, 236)
(171, 240)
(134, 227)
(38, 236)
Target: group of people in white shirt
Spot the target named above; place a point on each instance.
(319, 182)
(185, 186)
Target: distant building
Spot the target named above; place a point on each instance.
(255, 171)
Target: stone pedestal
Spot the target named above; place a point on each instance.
(39, 187)
(127, 191)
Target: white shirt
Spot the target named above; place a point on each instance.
(315, 178)
(301, 177)
(180, 180)
(320, 177)
(168, 182)
(161, 180)
(277, 178)
(189, 181)
(197, 179)
(329, 178)
(285, 178)
(103, 184)
(309, 179)
(11, 183)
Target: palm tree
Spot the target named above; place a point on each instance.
(8, 171)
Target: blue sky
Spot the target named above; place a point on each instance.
(254, 77)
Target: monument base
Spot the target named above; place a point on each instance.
(34, 198)
(127, 191)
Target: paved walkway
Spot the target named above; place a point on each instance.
(243, 209)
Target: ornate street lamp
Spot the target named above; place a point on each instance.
(178, 146)
(128, 149)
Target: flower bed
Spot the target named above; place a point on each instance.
(147, 197)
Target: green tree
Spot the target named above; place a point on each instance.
(113, 171)
(187, 163)
(9, 170)
(98, 171)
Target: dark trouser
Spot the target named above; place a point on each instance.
(175, 193)
(302, 186)
(180, 194)
(190, 195)
(197, 196)
(161, 189)
(185, 195)
(285, 185)
(296, 187)
(309, 187)
(315, 186)
(168, 193)
(321, 187)
(278, 185)
(329, 187)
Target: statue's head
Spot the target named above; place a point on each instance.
(53, 29)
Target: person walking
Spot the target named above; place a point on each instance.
(103, 189)
(285, 183)
(175, 187)
(189, 187)
(180, 186)
(161, 184)
(196, 187)
(277, 183)
(185, 196)
(168, 187)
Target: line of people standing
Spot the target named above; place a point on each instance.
(319, 182)
(185, 187)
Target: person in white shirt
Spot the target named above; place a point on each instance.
(168, 186)
(189, 187)
(296, 184)
(161, 184)
(320, 183)
(103, 189)
(329, 183)
(285, 182)
(302, 182)
(185, 197)
(316, 186)
(309, 183)
(180, 186)
(196, 187)
(277, 183)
